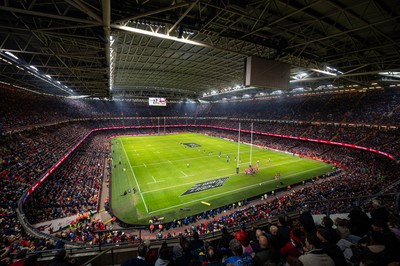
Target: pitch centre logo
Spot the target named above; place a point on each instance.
(206, 185)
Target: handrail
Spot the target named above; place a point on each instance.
(99, 255)
(328, 201)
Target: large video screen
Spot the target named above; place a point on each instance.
(157, 101)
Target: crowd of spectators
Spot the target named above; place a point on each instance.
(378, 107)
(27, 155)
(75, 185)
(360, 177)
(353, 240)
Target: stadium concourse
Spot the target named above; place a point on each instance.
(32, 144)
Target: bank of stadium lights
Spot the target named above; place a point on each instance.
(277, 92)
(226, 90)
(112, 66)
(325, 87)
(147, 23)
(328, 71)
(323, 72)
(34, 71)
(155, 33)
(297, 90)
(185, 31)
(113, 56)
(301, 75)
(333, 70)
(12, 55)
(158, 25)
(390, 74)
(34, 68)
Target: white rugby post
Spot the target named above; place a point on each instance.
(238, 152)
(251, 143)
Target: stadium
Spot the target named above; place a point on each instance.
(199, 132)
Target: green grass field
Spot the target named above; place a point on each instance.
(162, 168)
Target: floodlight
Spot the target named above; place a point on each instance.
(12, 55)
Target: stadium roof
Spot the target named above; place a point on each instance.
(188, 49)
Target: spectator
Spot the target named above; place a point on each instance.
(263, 254)
(307, 221)
(283, 230)
(379, 212)
(359, 223)
(389, 239)
(223, 243)
(394, 225)
(255, 245)
(375, 251)
(140, 260)
(151, 255)
(293, 247)
(61, 259)
(197, 244)
(243, 237)
(315, 255)
(187, 256)
(327, 224)
(212, 257)
(275, 242)
(330, 247)
(164, 256)
(238, 258)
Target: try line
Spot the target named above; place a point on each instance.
(134, 176)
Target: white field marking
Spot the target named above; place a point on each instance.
(135, 150)
(156, 152)
(134, 176)
(209, 179)
(228, 192)
(223, 169)
(273, 165)
(193, 182)
(145, 165)
(179, 160)
(184, 174)
(155, 181)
